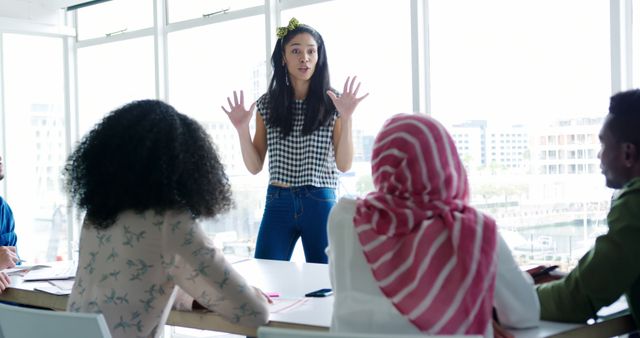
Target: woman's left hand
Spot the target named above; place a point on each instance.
(347, 102)
(499, 331)
(5, 281)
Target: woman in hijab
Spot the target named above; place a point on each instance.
(413, 256)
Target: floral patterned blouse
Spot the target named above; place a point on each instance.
(130, 272)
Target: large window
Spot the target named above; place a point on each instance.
(518, 89)
(110, 75)
(206, 65)
(180, 10)
(635, 43)
(375, 47)
(524, 100)
(114, 17)
(35, 144)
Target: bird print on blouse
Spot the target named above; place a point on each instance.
(132, 270)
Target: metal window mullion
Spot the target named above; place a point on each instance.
(616, 44)
(161, 51)
(417, 20)
(426, 71)
(71, 118)
(272, 20)
(415, 55)
(628, 43)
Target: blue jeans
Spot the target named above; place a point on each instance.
(290, 213)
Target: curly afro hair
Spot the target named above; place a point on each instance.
(146, 155)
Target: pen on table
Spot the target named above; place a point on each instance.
(272, 294)
(54, 284)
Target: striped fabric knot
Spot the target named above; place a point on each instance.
(431, 253)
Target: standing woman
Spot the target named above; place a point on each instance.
(306, 125)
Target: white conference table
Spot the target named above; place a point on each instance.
(292, 280)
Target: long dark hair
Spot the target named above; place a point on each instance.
(319, 106)
(146, 155)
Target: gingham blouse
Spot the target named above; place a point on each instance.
(300, 160)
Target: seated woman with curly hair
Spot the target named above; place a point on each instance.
(144, 176)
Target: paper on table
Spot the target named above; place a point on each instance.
(23, 269)
(64, 270)
(233, 259)
(53, 290)
(66, 284)
(615, 309)
(57, 287)
(284, 305)
(306, 311)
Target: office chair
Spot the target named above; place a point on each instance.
(276, 332)
(21, 322)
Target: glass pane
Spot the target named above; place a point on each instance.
(112, 17)
(181, 10)
(354, 47)
(206, 64)
(635, 26)
(525, 102)
(111, 75)
(35, 136)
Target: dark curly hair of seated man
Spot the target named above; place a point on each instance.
(142, 156)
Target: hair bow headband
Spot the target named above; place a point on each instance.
(283, 31)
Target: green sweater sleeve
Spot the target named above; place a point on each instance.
(610, 269)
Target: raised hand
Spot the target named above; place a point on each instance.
(238, 114)
(347, 102)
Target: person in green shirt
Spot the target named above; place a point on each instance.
(612, 267)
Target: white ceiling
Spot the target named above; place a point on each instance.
(24, 15)
(30, 10)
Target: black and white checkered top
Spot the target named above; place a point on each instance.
(300, 160)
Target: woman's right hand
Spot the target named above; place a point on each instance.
(239, 116)
(261, 293)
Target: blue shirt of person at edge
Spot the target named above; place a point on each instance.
(7, 225)
(8, 239)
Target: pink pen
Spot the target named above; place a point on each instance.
(272, 294)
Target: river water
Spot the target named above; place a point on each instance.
(558, 242)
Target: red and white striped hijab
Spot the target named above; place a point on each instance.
(432, 254)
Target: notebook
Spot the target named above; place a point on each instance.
(52, 272)
(57, 287)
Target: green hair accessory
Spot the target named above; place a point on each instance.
(283, 31)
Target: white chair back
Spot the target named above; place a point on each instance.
(275, 332)
(21, 322)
